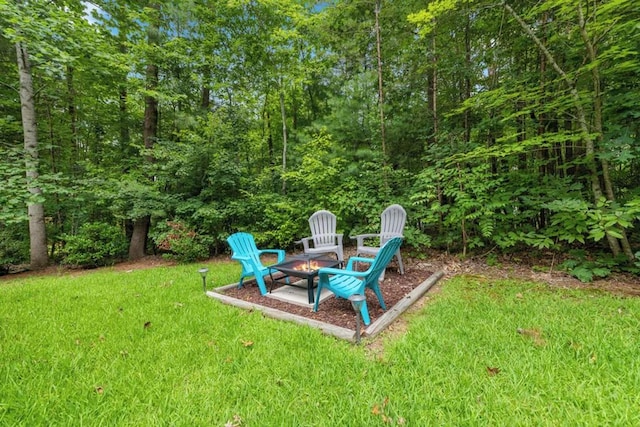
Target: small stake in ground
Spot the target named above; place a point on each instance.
(203, 272)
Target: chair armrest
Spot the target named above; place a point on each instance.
(358, 259)
(305, 242)
(324, 273)
(279, 252)
(361, 237)
(365, 236)
(240, 258)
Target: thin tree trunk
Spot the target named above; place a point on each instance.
(380, 87)
(73, 118)
(590, 161)
(39, 257)
(284, 139)
(432, 90)
(432, 100)
(205, 94)
(467, 79)
(597, 119)
(123, 119)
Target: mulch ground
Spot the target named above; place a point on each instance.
(338, 311)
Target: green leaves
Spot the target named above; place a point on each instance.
(425, 19)
(94, 245)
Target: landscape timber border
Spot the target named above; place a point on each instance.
(337, 331)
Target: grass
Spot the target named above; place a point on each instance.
(148, 348)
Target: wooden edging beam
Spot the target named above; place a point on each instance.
(327, 328)
(401, 306)
(339, 332)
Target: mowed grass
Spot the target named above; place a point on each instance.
(146, 348)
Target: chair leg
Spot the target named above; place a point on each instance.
(319, 291)
(261, 285)
(399, 258)
(376, 290)
(364, 312)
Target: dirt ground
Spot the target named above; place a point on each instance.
(339, 311)
(396, 286)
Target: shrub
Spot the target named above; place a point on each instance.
(14, 247)
(96, 244)
(180, 242)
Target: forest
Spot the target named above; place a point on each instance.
(137, 127)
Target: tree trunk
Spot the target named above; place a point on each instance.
(137, 246)
(380, 90)
(590, 160)
(597, 119)
(432, 100)
(39, 257)
(432, 91)
(284, 139)
(467, 79)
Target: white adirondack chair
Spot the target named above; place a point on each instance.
(392, 222)
(324, 238)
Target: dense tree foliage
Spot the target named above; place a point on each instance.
(498, 126)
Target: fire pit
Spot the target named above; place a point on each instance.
(304, 267)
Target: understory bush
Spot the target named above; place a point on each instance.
(94, 245)
(178, 241)
(14, 247)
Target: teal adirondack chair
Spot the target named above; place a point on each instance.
(347, 282)
(248, 255)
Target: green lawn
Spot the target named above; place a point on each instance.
(148, 348)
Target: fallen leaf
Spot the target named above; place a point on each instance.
(99, 390)
(534, 334)
(147, 325)
(237, 422)
(519, 295)
(247, 343)
(493, 371)
(376, 410)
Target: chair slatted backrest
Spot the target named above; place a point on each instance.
(243, 244)
(392, 222)
(323, 228)
(382, 259)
